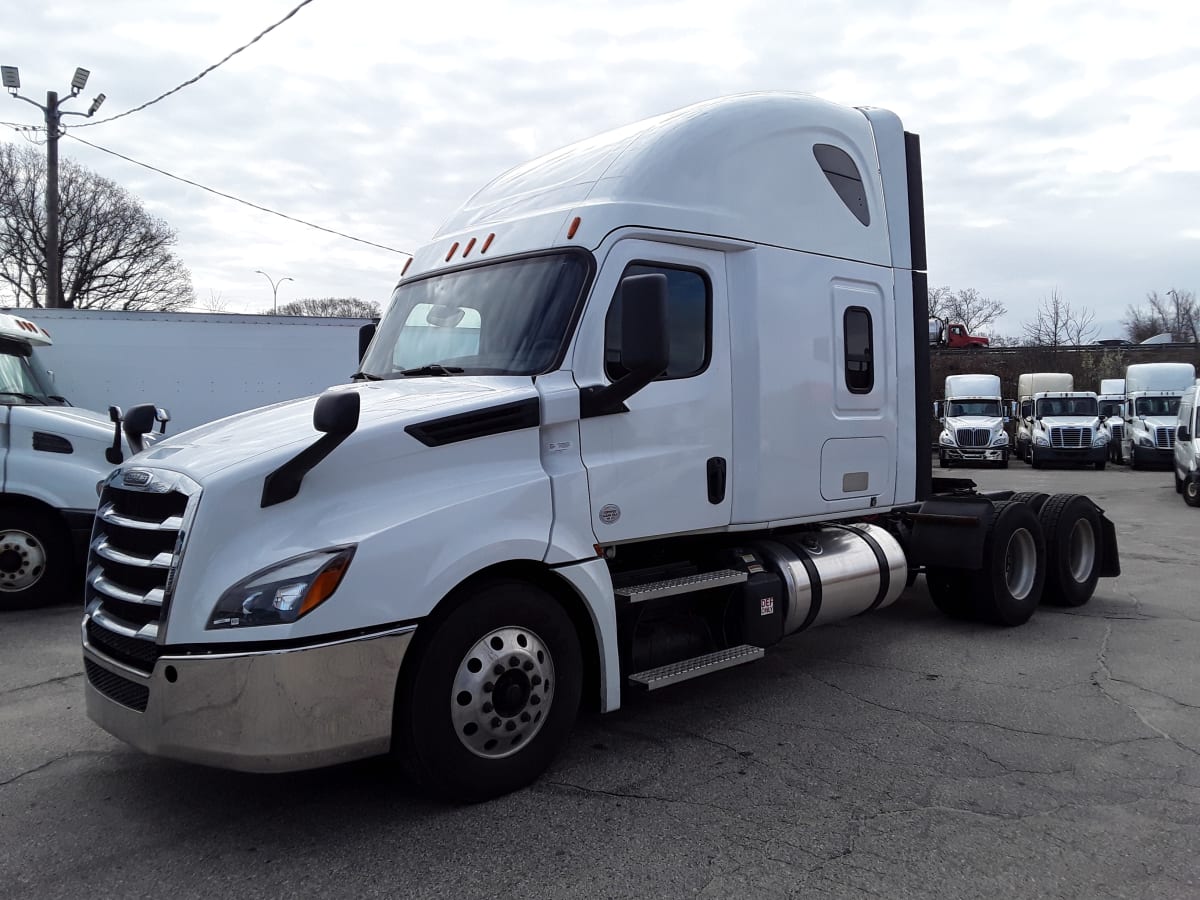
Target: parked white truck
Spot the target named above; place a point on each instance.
(641, 408)
(53, 454)
(1187, 447)
(1058, 424)
(1112, 415)
(973, 420)
(201, 366)
(1152, 392)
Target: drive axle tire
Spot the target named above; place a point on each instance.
(1191, 492)
(490, 696)
(35, 558)
(1036, 499)
(1074, 549)
(950, 591)
(1008, 588)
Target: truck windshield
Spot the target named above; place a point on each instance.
(1067, 406)
(1157, 406)
(509, 318)
(20, 381)
(1110, 408)
(956, 408)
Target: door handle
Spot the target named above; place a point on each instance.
(716, 480)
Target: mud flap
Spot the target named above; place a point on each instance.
(1110, 563)
(949, 533)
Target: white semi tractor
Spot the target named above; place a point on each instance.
(1112, 412)
(51, 459)
(1152, 392)
(973, 420)
(640, 409)
(1059, 424)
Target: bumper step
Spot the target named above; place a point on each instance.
(653, 590)
(686, 669)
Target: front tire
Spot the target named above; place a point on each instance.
(35, 558)
(1073, 549)
(490, 697)
(1178, 482)
(1191, 492)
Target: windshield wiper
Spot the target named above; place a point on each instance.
(24, 396)
(433, 369)
(365, 376)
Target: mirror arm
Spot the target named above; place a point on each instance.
(604, 400)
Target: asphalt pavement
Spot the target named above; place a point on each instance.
(896, 755)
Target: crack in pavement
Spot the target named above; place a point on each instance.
(940, 676)
(29, 687)
(50, 762)
(1104, 670)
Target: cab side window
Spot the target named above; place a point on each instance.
(1026, 409)
(859, 350)
(689, 322)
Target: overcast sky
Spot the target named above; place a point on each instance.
(1059, 138)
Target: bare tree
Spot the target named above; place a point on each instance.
(348, 307)
(1177, 313)
(114, 254)
(967, 307)
(1058, 324)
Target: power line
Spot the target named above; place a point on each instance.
(258, 37)
(202, 187)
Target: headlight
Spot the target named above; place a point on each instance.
(283, 592)
(1145, 441)
(1001, 439)
(1041, 440)
(946, 439)
(1100, 439)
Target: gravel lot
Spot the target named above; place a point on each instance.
(899, 754)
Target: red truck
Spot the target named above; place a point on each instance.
(953, 335)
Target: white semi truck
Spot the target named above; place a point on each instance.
(1058, 423)
(1187, 447)
(53, 455)
(201, 366)
(640, 409)
(1112, 411)
(973, 420)
(1152, 392)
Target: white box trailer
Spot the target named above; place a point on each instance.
(639, 410)
(200, 366)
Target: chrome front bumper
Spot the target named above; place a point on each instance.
(267, 711)
(980, 454)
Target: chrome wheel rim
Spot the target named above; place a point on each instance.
(502, 692)
(1192, 490)
(22, 560)
(1081, 550)
(1020, 563)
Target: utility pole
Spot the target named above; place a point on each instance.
(53, 115)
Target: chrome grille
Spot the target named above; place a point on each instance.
(1164, 438)
(974, 437)
(1117, 431)
(1070, 438)
(137, 542)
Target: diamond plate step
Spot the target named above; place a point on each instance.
(653, 590)
(653, 679)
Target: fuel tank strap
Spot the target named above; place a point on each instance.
(814, 581)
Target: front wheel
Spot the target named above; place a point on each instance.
(1134, 462)
(1178, 483)
(35, 559)
(1191, 492)
(1033, 458)
(491, 695)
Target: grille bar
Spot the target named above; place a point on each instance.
(105, 550)
(110, 516)
(109, 588)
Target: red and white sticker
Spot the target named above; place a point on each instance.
(767, 605)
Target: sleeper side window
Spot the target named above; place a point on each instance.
(859, 350)
(689, 322)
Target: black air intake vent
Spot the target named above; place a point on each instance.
(51, 443)
(478, 423)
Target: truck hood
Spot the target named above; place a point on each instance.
(68, 421)
(1092, 422)
(1152, 422)
(974, 422)
(264, 438)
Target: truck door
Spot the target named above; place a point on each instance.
(663, 467)
(858, 461)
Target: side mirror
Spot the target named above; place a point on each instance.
(336, 413)
(1007, 419)
(365, 335)
(163, 416)
(1103, 417)
(1182, 434)
(645, 346)
(138, 422)
(937, 409)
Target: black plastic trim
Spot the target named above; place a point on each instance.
(916, 203)
(284, 483)
(316, 640)
(51, 443)
(922, 388)
(514, 416)
(843, 176)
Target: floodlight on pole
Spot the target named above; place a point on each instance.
(53, 114)
(274, 288)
